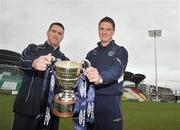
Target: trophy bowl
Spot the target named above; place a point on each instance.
(67, 74)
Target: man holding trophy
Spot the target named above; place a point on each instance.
(30, 105)
(108, 61)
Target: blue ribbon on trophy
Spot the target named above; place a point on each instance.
(90, 104)
(49, 105)
(51, 94)
(84, 105)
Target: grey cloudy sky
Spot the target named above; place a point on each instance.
(24, 22)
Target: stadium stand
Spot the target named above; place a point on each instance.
(10, 74)
(136, 90)
(9, 57)
(129, 96)
(133, 94)
(131, 91)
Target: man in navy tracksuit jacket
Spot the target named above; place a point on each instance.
(34, 62)
(108, 64)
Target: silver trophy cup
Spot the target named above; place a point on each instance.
(67, 74)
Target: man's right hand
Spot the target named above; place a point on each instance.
(93, 75)
(42, 62)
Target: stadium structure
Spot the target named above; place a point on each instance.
(134, 88)
(131, 91)
(10, 74)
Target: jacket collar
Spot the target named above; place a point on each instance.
(100, 45)
(50, 47)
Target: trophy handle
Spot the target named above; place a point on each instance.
(85, 63)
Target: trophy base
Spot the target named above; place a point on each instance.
(62, 114)
(63, 108)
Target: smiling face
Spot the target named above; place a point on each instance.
(106, 32)
(55, 35)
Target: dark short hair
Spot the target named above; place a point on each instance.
(56, 23)
(109, 20)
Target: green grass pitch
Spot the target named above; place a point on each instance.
(137, 116)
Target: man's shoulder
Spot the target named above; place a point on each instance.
(33, 45)
(62, 55)
(120, 50)
(94, 50)
(91, 52)
(119, 46)
(42, 46)
(60, 52)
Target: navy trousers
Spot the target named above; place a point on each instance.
(24, 122)
(108, 115)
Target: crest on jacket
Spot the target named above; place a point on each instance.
(111, 53)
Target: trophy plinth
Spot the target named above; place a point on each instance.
(67, 74)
